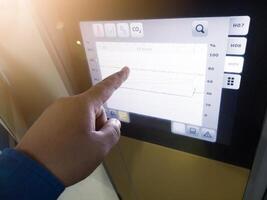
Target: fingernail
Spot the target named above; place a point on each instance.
(116, 122)
(126, 70)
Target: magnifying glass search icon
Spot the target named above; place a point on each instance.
(200, 28)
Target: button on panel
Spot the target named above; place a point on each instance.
(239, 25)
(231, 81)
(178, 128)
(123, 30)
(236, 45)
(233, 64)
(110, 30)
(200, 28)
(124, 116)
(98, 30)
(192, 130)
(112, 113)
(208, 134)
(137, 30)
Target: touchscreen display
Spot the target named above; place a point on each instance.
(179, 68)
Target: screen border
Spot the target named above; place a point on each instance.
(250, 102)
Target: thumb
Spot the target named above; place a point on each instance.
(110, 133)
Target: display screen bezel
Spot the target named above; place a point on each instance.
(249, 102)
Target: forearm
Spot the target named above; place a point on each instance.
(23, 178)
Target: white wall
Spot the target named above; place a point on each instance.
(96, 187)
(35, 83)
(26, 61)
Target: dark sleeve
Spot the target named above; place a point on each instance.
(23, 178)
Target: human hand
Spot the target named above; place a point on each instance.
(73, 135)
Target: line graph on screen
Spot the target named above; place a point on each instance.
(173, 74)
(161, 82)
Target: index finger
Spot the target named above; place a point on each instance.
(102, 91)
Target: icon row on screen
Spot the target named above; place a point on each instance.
(117, 114)
(193, 131)
(121, 30)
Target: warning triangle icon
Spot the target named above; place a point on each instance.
(207, 135)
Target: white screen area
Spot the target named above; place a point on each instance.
(166, 80)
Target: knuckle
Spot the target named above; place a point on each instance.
(102, 144)
(115, 133)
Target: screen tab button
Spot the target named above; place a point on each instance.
(239, 25)
(236, 45)
(233, 64)
(231, 81)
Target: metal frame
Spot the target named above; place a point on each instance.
(257, 184)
